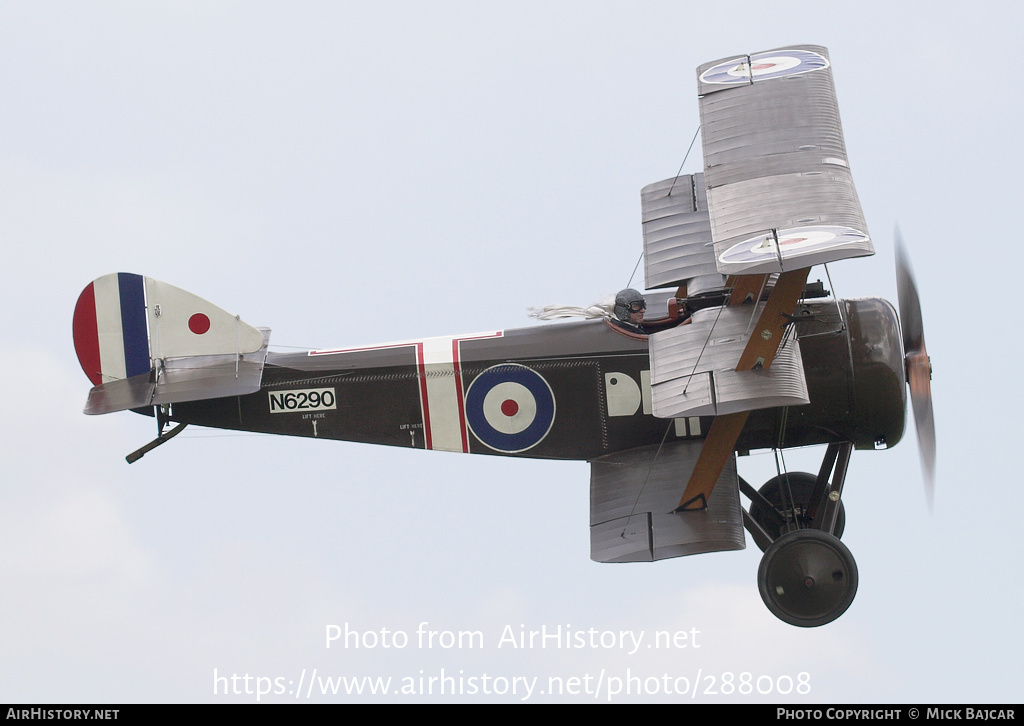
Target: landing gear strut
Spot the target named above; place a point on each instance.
(807, 577)
(792, 505)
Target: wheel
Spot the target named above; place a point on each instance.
(807, 578)
(802, 485)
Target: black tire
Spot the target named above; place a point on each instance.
(807, 578)
(802, 486)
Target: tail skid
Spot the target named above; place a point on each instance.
(161, 439)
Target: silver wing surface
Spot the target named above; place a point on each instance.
(677, 235)
(693, 368)
(780, 193)
(632, 498)
(776, 196)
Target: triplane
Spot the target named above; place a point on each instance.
(736, 352)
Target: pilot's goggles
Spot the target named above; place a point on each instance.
(635, 307)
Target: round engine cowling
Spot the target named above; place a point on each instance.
(855, 378)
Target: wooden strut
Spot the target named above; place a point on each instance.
(745, 288)
(759, 352)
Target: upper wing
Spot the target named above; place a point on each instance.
(776, 192)
(780, 192)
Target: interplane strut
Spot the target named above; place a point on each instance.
(759, 352)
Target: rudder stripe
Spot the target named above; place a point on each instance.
(87, 343)
(131, 289)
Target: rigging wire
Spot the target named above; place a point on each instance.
(684, 160)
(635, 267)
(706, 341)
(671, 422)
(247, 434)
(839, 308)
(680, 171)
(643, 486)
(785, 489)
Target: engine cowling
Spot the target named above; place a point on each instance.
(853, 359)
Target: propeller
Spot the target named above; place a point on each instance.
(918, 365)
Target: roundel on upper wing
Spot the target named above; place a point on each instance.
(770, 64)
(510, 408)
(791, 243)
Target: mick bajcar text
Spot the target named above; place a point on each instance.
(893, 714)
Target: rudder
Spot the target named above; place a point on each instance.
(143, 342)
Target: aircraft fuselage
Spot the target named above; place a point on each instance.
(576, 390)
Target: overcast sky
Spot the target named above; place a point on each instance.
(348, 173)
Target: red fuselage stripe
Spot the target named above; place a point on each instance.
(459, 394)
(443, 395)
(421, 368)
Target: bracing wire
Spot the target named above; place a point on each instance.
(839, 308)
(643, 486)
(680, 171)
(671, 423)
(692, 141)
(635, 268)
(785, 489)
(702, 348)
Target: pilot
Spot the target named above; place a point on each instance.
(629, 311)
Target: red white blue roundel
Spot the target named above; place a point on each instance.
(510, 408)
(762, 66)
(792, 243)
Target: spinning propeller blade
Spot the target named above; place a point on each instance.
(919, 367)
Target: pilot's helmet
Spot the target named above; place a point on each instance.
(628, 301)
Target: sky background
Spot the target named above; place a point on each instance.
(349, 173)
